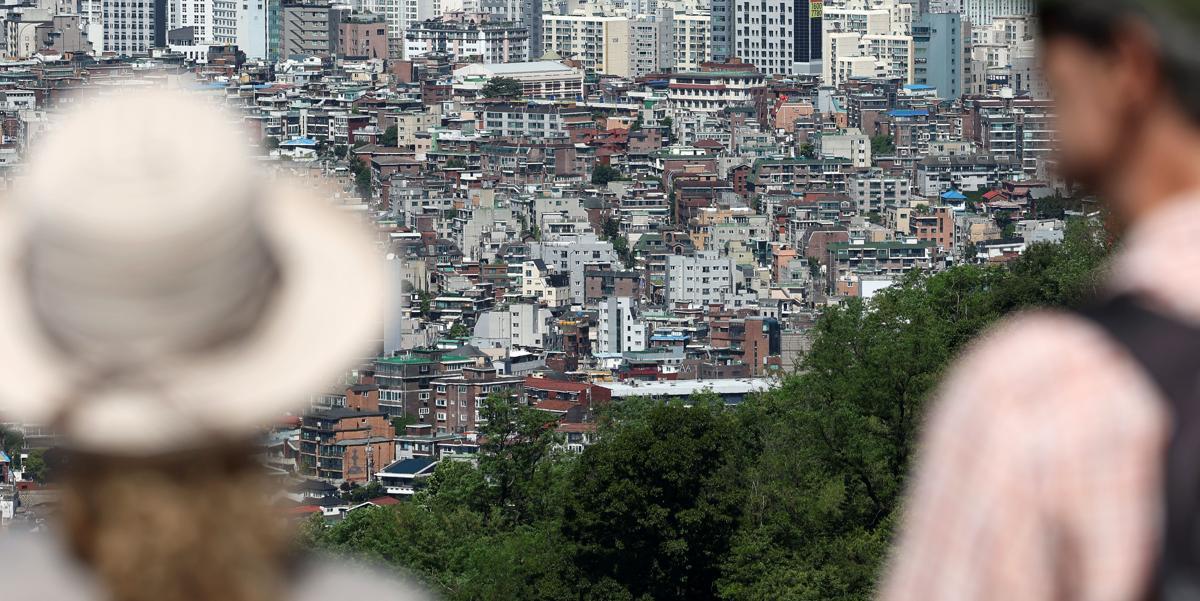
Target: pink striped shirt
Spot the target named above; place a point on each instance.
(1039, 477)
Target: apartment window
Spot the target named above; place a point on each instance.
(423, 411)
(441, 416)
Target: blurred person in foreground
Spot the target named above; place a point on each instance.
(161, 302)
(1062, 459)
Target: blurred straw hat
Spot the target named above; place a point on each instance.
(158, 293)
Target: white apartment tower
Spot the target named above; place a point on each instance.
(772, 47)
(692, 31)
(981, 12)
(620, 329)
(122, 27)
(252, 28)
(701, 279)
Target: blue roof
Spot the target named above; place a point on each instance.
(668, 337)
(953, 195)
(918, 86)
(300, 142)
(908, 113)
(415, 465)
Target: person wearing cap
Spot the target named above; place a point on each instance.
(162, 304)
(1044, 472)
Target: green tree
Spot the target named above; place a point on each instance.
(808, 151)
(458, 330)
(390, 136)
(603, 174)
(611, 228)
(882, 145)
(652, 506)
(360, 493)
(502, 87)
(401, 423)
(270, 142)
(518, 443)
(35, 467)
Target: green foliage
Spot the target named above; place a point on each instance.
(12, 442)
(882, 145)
(602, 174)
(426, 303)
(1056, 207)
(651, 508)
(271, 143)
(359, 494)
(35, 467)
(792, 495)
(364, 180)
(458, 330)
(611, 228)
(502, 87)
(390, 136)
(808, 151)
(517, 442)
(399, 424)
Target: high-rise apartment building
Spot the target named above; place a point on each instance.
(778, 36)
(306, 29)
(620, 328)
(938, 47)
(692, 37)
(124, 27)
(981, 12)
(526, 13)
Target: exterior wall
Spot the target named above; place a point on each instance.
(253, 24)
(620, 330)
(358, 466)
(772, 47)
(702, 279)
(360, 37)
(601, 43)
(938, 54)
(487, 43)
(457, 401)
(692, 44)
(306, 30)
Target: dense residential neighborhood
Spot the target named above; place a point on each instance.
(609, 227)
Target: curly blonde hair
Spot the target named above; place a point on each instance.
(187, 527)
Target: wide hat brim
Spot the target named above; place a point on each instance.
(323, 317)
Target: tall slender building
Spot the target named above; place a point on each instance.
(938, 48)
(809, 22)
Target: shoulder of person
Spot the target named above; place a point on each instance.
(35, 567)
(1039, 342)
(327, 578)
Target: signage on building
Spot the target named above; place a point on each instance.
(815, 9)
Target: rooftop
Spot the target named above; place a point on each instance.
(689, 387)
